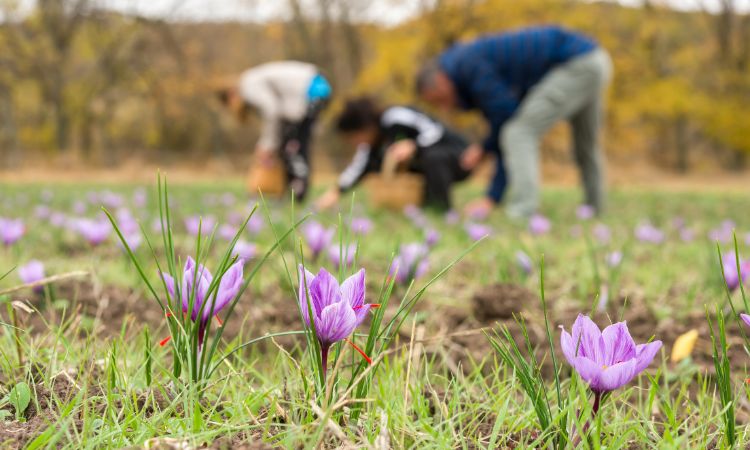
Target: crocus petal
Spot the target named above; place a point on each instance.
(644, 354)
(353, 289)
(169, 281)
(745, 318)
(229, 286)
(305, 278)
(587, 369)
(591, 344)
(618, 344)
(361, 313)
(337, 321)
(615, 376)
(568, 347)
(324, 290)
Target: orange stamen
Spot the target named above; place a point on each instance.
(164, 341)
(359, 350)
(218, 320)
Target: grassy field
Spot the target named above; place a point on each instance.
(88, 346)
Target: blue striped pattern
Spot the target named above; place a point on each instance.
(495, 72)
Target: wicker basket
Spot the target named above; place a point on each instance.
(394, 189)
(268, 179)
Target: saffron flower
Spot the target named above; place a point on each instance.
(585, 212)
(602, 233)
(411, 263)
(687, 234)
(524, 262)
(361, 225)
(94, 231)
(318, 237)
(255, 224)
(477, 231)
(245, 251)
(32, 272)
(335, 251)
(431, 237)
(538, 225)
(745, 318)
(452, 217)
(206, 225)
(613, 259)
(337, 310)
(194, 286)
(646, 232)
(227, 231)
(732, 276)
(11, 230)
(608, 359)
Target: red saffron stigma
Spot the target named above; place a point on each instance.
(164, 341)
(218, 319)
(359, 350)
(371, 305)
(168, 314)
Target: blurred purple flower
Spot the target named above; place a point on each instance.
(205, 224)
(452, 217)
(732, 276)
(140, 198)
(110, 199)
(228, 199)
(361, 225)
(602, 233)
(227, 231)
(538, 225)
(11, 230)
(477, 231)
(194, 285)
(678, 223)
(724, 233)
(126, 222)
(246, 251)
(745, 318)
(411, 263)
(79, 207)
(255, 224)
(431, 237)
(318, 237)
(613, 259)
(42, 212)
(94, 231)
(57, 219)
(32, 272)
(337, 310)
(334, 254)
(687, 234)
(607, 359)
(646, 232)
(585, 212)
(524, 262)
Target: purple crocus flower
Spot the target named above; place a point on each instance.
(206, 225)
(745, 318)
(246, 251)
(140, 198)
(334, 254)
(524, 262)
(42, 212)
(32, 272)
(227, 231)
(94, 231)
(195, 282)
(477, 231)
(318, 237)
(79, 207)
(585, 212)
(57, 219)
(687, 234)
(538, 225)
(228, 199)
(747, 238)
(11, 230)
(613, 259)
(133, 240)
(602, 233)
(337, 310)
(361, 225)
(431, 237)
(646, 232)
(411, 263)
(732, 276)
(452, 217)
(607, 359)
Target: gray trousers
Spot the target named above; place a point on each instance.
(573, 91)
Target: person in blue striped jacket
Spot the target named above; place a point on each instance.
(523, 82)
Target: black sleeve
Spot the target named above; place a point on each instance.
(356, 170)
(400, 122)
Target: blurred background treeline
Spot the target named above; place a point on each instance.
(83, 83)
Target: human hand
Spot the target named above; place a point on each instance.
(471, 157)
(264, 156)
(328, 200)
(402, 150)
(480, 208)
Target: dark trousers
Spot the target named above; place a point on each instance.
(295, 150)
(441, 167)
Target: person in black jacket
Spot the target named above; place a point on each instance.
(412, 137)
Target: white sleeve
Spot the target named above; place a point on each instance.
(258, 92)
(428, 130)
(356, 169)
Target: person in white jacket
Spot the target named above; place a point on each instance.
(288, 96)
